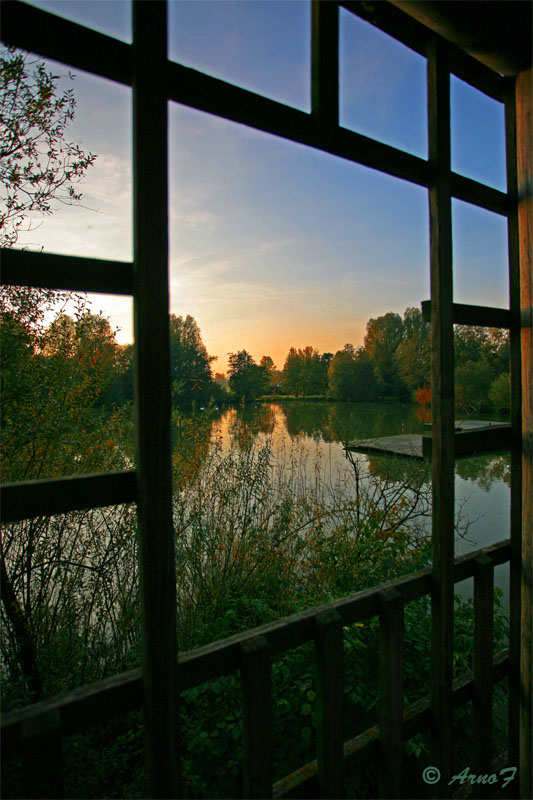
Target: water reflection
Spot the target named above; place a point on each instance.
(308, 436)
(482, 481)
(320, 424)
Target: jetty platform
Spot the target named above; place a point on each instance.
(471, 436)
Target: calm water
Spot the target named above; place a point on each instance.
(318, 429)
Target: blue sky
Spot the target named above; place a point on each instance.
(272, 244)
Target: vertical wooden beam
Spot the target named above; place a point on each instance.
(391, 693)
(257, 718)
(442, 409)
(483, 656)
(330, 703)
(325, 60)
(152, 396)
(515, 579)
(524, 137)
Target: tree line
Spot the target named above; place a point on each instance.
(393, 362)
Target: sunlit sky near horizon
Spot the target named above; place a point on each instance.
(273, 244)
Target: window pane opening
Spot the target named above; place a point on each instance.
(480, 256)
(477, 135)
(97, 224)
(74, 580)
(382, 86)
(261, 46)
(67, 386)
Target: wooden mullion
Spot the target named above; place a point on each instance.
(442, 410)
(325, 61)
(152, 397)
(391, 694)
(257, 718)
(74, 45)
(70, 273)
(61, 495)
(330, 703)
(483, 657)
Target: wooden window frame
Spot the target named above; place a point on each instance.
(155, 80)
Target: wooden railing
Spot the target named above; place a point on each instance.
(37, 731)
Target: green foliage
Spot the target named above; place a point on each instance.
(500, 392)
(482, 357)
(383, 337)
(247, 380)
(192, 381)
(413, 354)
(305, 372)
(351, 375)
(473, 380)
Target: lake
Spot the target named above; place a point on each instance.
(316, 431)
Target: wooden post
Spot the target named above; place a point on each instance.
(516, 427)
(257, 718)
(325, 60)
(152, 396)
(442, 410)
(483, 656)
(524, 136)
(391, 693)
(330, 703)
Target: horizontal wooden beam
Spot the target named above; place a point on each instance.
(194, 89)
(77, 710)
(69, 273)
(482, 316)
(74, 45)
(478, 194)
(60, 495)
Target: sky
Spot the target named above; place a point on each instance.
(273, 244)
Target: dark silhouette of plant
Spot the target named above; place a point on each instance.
(37, 164)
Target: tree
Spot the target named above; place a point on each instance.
(292, 372)
(38, 166)
(472, 383)
(500, 392)
(191, 376)
(271, 373)
(247, 380)
(351, 375)
(383, 336)
(306, 371)
(413, 354)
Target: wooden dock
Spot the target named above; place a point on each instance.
(472, 436)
